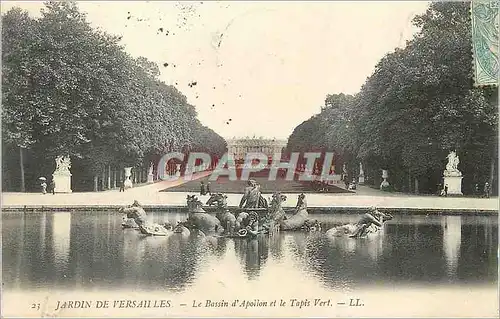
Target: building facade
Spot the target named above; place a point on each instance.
(239, 147)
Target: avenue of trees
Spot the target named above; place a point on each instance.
(418, 105)
(70, 89)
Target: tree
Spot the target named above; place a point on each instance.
(72, 90)
(418, 105)
(18, 34)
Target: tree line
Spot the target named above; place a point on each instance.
(71, 89)
(418, 105)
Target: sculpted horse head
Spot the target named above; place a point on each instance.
(190, 199)
(218, 199)
(383, 217)
(301, 201)
(181, 227)
(386, 216)
(277, 199)
(194, 205)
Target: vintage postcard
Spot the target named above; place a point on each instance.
(245, 159)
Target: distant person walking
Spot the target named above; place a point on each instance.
(53, 187)
(43, 185)
(122, 186)
(487, 190)
(476, 190)
(202, 189)
(352, 186)
(441, 190)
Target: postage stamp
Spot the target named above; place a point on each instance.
(485, 39)
(261, 159)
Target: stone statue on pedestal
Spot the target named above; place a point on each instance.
(127, 183)
(63, 164)
(361, 177)
(385, 176)
(150, 173)
(452, 176)
(61, 177)
(452, 166)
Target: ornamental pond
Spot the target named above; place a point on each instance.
(90, 250)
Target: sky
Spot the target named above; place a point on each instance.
(261, 68)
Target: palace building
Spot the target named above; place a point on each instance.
(239, 147)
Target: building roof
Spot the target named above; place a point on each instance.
(260, 141)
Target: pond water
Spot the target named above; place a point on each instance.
(91, 250)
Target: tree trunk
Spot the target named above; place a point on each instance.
(492, 167)
(409, 181)
(109, 176)
(96, 183)
(103, 180)
(114, 178)
(416, 185)
(21, 163)
(492, 176)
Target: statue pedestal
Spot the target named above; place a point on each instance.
(361, 176)
(361, 179)
(62, 181)
(150, 178)
(454, 184)
(385, 176)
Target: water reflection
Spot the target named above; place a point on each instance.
(61, 234)
(210, 243)
(296, 243)
(220, 247)
(161, 262)
(43, 228)
(253, 254)
(12, 250)
(276, 246)
(91, 250)
(452, 238)
(134, 248)
(371, 247)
